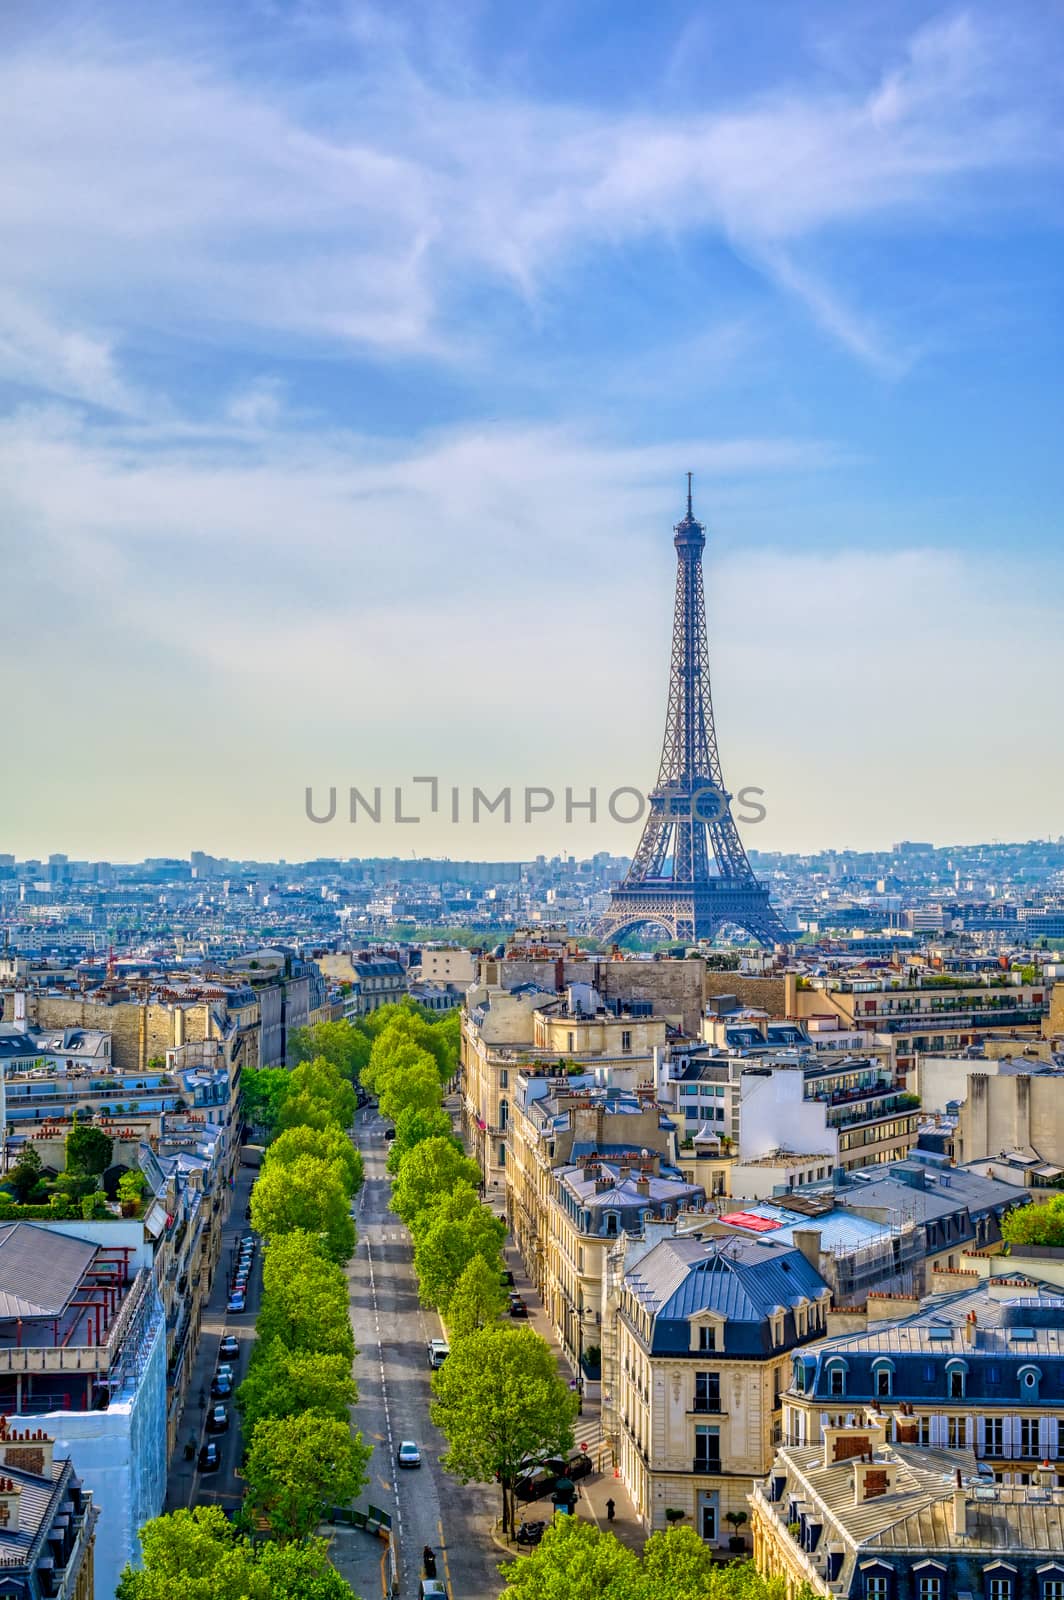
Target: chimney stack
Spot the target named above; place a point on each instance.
(960, 1508)
(971, 1327)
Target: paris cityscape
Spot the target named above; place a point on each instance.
(532, 989)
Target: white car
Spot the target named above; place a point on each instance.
(408, 1454)
(439, 1350)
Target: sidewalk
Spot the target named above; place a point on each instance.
(595, 1490)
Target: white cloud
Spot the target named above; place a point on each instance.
(355, 215)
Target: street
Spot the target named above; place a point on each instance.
(391, 1334)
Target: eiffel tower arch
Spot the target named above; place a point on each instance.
(690, 874)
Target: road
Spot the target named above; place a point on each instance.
(186, 1485)
(392, 1332)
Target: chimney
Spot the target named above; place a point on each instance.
(807, 1240)
(30, 1450)
(871, 1479)
(10, 1496)
(960, 1508)
(20, 1011)
(971, 1327)
(642, 1188)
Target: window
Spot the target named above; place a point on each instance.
(836, 1382)
(1053, 1589)
(930, 1586)
(876, 1586)
(707, 1448)
(626, 1039)
(611, 1223)
(999, 1589)
(707, 1337)
(504, 1077)
(994, 1440)
(707, 1391)
(572, 1043)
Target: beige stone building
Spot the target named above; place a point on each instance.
(705, 1332)
(585, 1165)
(1014, 1114)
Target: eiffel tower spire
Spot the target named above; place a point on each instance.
(690, 874)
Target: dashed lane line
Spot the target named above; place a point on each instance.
(384, 1384)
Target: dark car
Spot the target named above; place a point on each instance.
(210, 1458)
(507, 1278)
(389, 1133)
(544, 1480)
(222, 1387)
(229, 1348)
(218, 1419)
(580, 1465)
(518, 1308)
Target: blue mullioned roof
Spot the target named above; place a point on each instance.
(742, 1281)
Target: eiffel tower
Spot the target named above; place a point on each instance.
(690, 874)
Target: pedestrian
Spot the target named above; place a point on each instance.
(610, 1510)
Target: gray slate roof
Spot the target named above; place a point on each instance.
(39, 1270)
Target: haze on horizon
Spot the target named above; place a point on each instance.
(351, 359)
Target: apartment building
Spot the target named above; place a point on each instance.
(83, 1358)
(1017, 1114)
(849, 1109)
(854, 1517)
(705, 1332)
(47, 1521)
(587, 1163)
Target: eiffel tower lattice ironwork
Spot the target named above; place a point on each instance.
(690, 874)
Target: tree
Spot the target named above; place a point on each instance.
(415, 1083)
(431, 1168)
(1034, 1224)
(306, 1194)
(329, 1144)
(26, 1175)
(199, 1555)
(317, 1095)
(297, 1466)
(500, 1403)
(413, 1125)
(340, 1043)
(88, 1150)
(448, 1237)
(263, 1092)
(285, 1383)
(477, 1299)
(131, 1187)
(574, 1561)
(305, 1298)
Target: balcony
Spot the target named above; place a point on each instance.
(707, 1408)
(707, 1466)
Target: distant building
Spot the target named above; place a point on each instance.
(850, 1109)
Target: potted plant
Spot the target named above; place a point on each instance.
(735, 1519)
(673, 1515)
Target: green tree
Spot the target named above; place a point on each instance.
(26, 1175)
(413, 1083)
(329, 1144)
(199, 1555)
(306, 1194)
(448, 1237)
(1034, 1224)
(500, 1403)
(317, 1095)
(477, 1299)
(575, 1561)
(298, 1466)
(88, 1150)
(413, 1125)
(286, 1383)
(263, 1092)
(131, 1187)
(340, 1043)
(430, 1169)
(305, 1298)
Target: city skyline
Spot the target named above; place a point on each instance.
(347, 385)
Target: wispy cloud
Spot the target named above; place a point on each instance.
(217, 200)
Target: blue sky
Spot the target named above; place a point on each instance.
(351, 359)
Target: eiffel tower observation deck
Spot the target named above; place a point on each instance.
(690, 875)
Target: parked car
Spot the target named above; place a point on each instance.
(229, 1348)
(222, 1386)
(236, 1303)
(439, 1350)
(579, 1465)
(408, 1454)
(543, 1480)
(432, 1589)
(508, 1279)
(218, 1419)
(210, 1457)
(389, 1134)
(518, 1308)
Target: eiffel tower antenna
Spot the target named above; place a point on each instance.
(690, 874)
